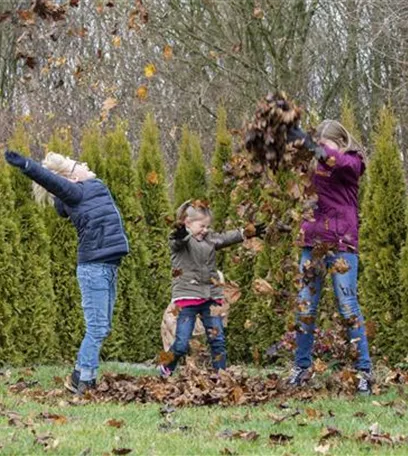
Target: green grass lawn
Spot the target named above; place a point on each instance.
(83, 429)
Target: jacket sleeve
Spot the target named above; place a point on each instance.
(178, 244)
(226, 239)
(348, 165)
(59, 207)
(68, 192)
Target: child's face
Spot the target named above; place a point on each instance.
(80, 172)
(199, 227)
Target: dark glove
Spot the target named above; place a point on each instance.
(296, 133)
(260, 230)
(180, 232)
(15, 159)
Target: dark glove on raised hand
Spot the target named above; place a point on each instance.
(260, 230)
(15, 159)
(180, 232)
(296, 133)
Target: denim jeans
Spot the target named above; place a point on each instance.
(214, 331)
(345, 289)
(97, 282)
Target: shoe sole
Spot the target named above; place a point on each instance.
(70, 387)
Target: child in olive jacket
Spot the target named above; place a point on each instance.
(195, 287)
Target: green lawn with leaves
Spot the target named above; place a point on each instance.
(321, 426)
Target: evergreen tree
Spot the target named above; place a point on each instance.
(190, 175)
(277, 264)
(134, 316)
(382, 234)
(92, 150)
(152, 188)
(34, 326)
(63, 237)
(220, 189)
(239, 264)
(10, 262)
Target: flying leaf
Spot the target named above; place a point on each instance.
(116, 41)
(107, 106)
(261, 286)
(167, 52)
(152, 178)
(232, 292)
(142, 92)
(258, 13)
(150, 70)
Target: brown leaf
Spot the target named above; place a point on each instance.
(232, 292)
(115, 423)
(167, 52)
(319, 366)
(107, 106)
(249, 230)
(176, 272)
(329, 433)
(322, 449)
(340, 266)
(254, 244)
(261, 286)
(152, 178)
(53, 418)
(279, 439)
(165, 358)
(116, 41)
(331, 161)
(142, 92)
(121, 451)
(313, 413)
(258, 13)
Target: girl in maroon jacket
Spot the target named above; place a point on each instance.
(335, 222)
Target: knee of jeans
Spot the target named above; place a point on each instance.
(98, 332)
(349, 308)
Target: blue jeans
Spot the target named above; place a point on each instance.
(345, 289)
(97, 282)
(214, 331)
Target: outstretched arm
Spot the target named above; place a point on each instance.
(222, 240)
(68, 192)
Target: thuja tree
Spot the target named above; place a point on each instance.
(190, 176)
(239, 266)
(92, 150)
(134, 315)
(63, 238)
(33, 330)
(220, 187)
(10, 263)
(273, 293)
(382, 235)
(152, 188)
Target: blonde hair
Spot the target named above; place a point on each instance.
(335, 131)
(194, 210)
(57, 164)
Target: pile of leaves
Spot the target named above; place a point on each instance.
(197, 387)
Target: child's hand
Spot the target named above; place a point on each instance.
(15, 159)
(260, 230)
(297, 134)
(180, 232)
(257, 230)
